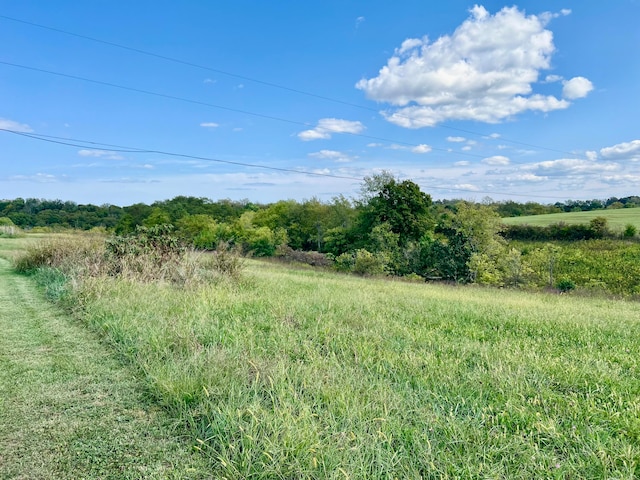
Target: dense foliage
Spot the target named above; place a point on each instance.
(392, 228)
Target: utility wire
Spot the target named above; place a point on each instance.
(222, 107)
(261, 82)
(119, 148)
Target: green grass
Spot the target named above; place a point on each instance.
(617, 218)
(68, 408)
(285, 373)
(304, 374)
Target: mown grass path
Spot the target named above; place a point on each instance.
(68, 408)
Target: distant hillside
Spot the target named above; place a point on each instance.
(617, 218)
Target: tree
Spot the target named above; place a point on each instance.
(467, 245)
(402, 205)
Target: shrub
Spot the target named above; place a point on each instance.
(224, 260)
(344, 262)
(367, 263)
(151, 253)
(629, 231)
(565, 285)
(315, 259)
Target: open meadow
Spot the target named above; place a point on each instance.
(617, 218)
(300, 373)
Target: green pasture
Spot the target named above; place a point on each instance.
(616, 218)
(301, 373)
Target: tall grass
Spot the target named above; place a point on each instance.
(283, 373)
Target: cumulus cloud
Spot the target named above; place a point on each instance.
(577, 87)
(7, 124)
(591, 155)
(496, 160)
(422, 148)
(484, 71)
(100, 154)
(334, 155)
(209, 125)
(622, 151)
(456, 139)
(328, 126)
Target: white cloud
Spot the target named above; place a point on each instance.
(38, 177)
(422, 148)
(466, 148)
(622, 151)
(494, 135)
(209, 125)
(496, 160)
(617, 179)
(591, 155)
(553, 78)
(359, 21)
(462, 163)
(577, 87)
(466, 186)
(456, 139)
(527, 177)
(334, 155)
(484, 71)
(7, 124)
(328, 126)
(100, 154)
(572, 166)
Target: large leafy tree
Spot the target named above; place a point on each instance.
(400, 205)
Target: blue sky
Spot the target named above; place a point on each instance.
(530, 101)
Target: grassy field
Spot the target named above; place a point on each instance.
(617, 218)
(287, 373)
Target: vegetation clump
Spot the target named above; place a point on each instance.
(152, 254)
(565, 285)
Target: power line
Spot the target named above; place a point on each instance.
(262, 82)
(71, 142)
(222, 107)
(78, 143)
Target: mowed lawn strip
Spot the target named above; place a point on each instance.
(68, 409)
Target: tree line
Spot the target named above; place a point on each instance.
(391, 227)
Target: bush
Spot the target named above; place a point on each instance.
(344, 262)
(224, 260)
(565, 285)
(151, 253)
(315, 259)
(629, 231)
(367, 263)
